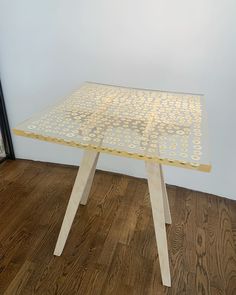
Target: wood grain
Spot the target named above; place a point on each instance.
(111, 248)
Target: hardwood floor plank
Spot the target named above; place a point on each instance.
(202, 275)
(20, 279)
(213, 255)
(227, 252)
(202, 271)
(176, 238)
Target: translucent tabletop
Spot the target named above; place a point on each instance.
(165, 127)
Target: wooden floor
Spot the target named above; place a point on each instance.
(111, 248)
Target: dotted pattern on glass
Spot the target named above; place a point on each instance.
(146, 124)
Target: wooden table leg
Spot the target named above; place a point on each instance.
(155, 185)
(165, 199)
(86, 192)
(79, 194)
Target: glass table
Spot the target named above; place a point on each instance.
(159, 127)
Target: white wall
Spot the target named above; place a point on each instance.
(48, 48)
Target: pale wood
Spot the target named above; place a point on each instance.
(85, 196)
(165, 199)
(80, 192)
(156, 196)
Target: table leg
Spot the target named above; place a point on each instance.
(86, 192)
(79, 193)
(165, 199)
(157, 202)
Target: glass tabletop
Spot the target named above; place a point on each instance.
(164, 127)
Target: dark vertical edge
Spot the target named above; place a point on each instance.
(5, 129)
